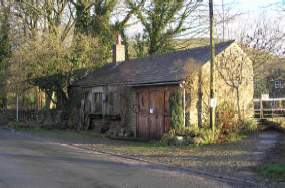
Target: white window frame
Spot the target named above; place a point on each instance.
(278, 84)
(281, 84)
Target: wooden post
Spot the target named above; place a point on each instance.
(261, 109)
(212, 46)
(273, 108)
(17, 113)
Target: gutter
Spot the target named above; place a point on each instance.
(153, 84)
(133, 85)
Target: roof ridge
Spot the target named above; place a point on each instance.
(155, 67)
(176, 51)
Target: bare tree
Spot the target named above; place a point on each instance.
(263, 41)
(225, 14)
(235, 69)
(279, 6)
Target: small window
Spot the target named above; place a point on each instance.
(279, 84)
(276, 84)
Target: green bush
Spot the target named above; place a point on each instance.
(274, 123)
(167, 137)
(71, 111)
(232, 137)
(176, 109)
(249, 125)
(227, 126)
(194, 131)
(73, 118)
(208, 135)
(226, 115)
(17, 125)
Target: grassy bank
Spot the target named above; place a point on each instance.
(277, 125)
(272, 171)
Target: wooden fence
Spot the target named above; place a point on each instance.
(272, 107)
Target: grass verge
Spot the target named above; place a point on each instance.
(56, 133)
(65, 134)
(234, 137)
(277, 125)
(272, 171)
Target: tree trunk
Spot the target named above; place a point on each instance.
(239, 115)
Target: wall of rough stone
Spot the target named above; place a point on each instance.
(197, 109)
(56, 116)
(131, 114)
(243, 71)
(199, 105)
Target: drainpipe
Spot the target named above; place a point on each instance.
(184, 105)
(181, 85)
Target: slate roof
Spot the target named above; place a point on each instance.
(153, 69)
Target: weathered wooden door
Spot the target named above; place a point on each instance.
(156, 113)
(153, 115)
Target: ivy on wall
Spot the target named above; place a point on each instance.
(176, 109)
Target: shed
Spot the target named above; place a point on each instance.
(138, 89)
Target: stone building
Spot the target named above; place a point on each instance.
(138, 90)
(274, 85)
(271, 90)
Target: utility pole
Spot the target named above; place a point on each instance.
(17, 114)
(212, 47)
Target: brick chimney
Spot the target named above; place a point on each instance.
(118, 51)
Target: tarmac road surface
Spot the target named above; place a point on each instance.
(25, 162)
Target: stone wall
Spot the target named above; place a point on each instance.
(131, 114)
(242, 70)
(227, 62)
(56, 116)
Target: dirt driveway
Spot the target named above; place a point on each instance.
(228, 160)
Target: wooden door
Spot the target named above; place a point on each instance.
(153, 115)
(156, 113)
(142, 117)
